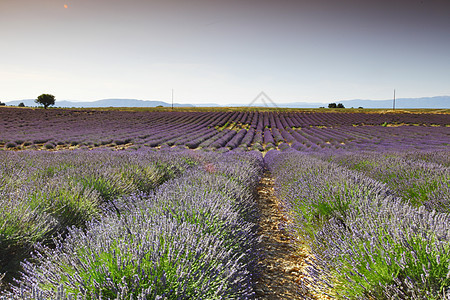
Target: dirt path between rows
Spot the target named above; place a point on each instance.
(283, 258)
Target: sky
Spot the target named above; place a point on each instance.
(224, 51)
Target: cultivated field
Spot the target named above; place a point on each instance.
(222, 130)
(224, 204)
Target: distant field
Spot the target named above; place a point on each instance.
(223, 128)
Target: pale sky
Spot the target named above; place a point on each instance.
(224, 51)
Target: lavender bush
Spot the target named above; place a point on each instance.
(415, 180)
(438, 157)
(388, 250)
(316, 191)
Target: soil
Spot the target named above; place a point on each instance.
(284, 256)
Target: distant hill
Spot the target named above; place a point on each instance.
(207, 105)
(439, 102)
(426, 102)
(102, 103)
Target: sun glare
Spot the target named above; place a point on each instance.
(65, 5)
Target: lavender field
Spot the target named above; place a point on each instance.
(224, 130)
(163, 205)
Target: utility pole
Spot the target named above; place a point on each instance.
(172, 99)
(393, 105)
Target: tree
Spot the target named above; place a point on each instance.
(46, 100)
(2, 104)
(340, 105)
(21, 104)
(332, 105)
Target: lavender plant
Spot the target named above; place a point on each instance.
(388, 250)
(419, 182)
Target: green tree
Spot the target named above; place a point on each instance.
(340, 105)
(21, 104)
(2, 104)
(332, 105)
(46, 100)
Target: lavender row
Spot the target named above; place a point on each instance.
(43, 193)
(438, 157)
(367, 243)
(417, 181)
(192, 238)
